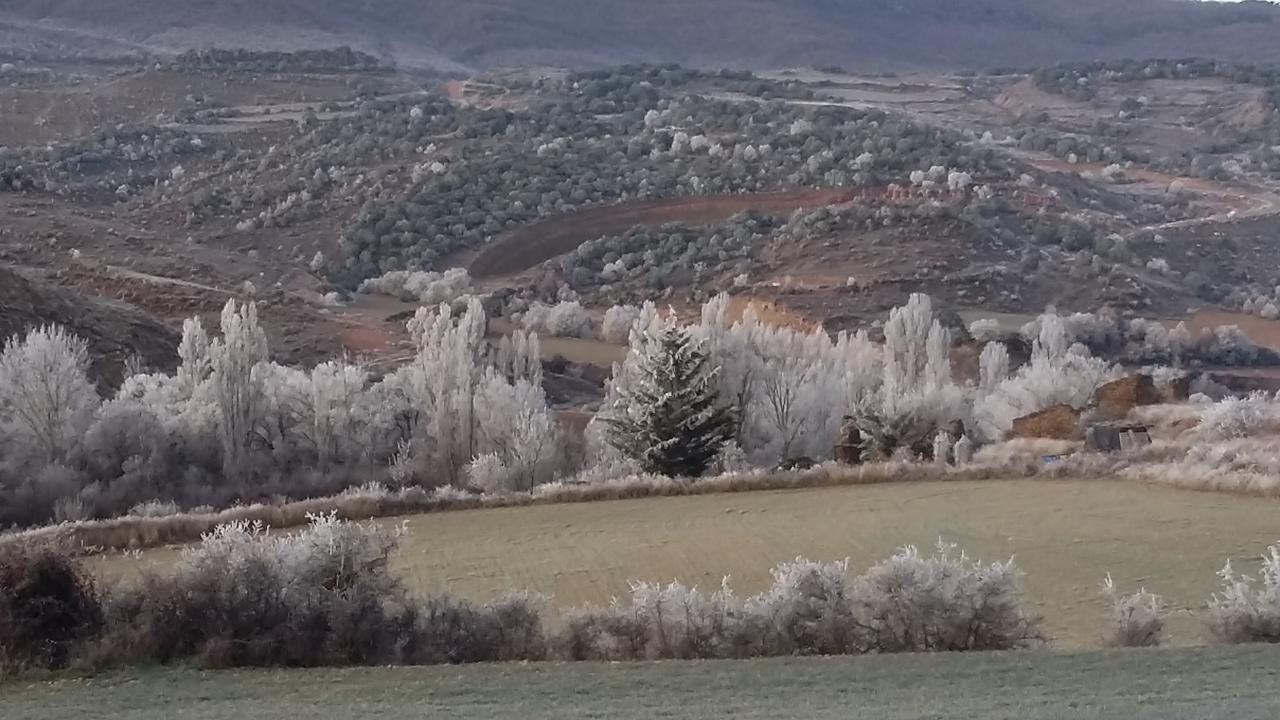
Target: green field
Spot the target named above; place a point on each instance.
(1065, 535)
(1236, 683)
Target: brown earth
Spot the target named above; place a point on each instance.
(526, 247)
(35, 115)
(115, 331)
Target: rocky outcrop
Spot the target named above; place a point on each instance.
(1060, 422)
(1114, 400)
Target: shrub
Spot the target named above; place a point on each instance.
(564, 319)
(48, 606)
(659, 622)
(1235, 418)
(1247, 609)
(429, 288)
(946, 602)
(1137, 620)
(908, 603)
(617, 323)
(807, 610)
(321, 596)
(447, 630)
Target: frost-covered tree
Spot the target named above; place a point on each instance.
(519, 356)
(617, 323)
(993, 366)
(668, 416)
(237, 383)
(786, 389)
(467, 399)
(1058, 373)
(917, 396)
(193, 352)
(515, 425)
(335, 393)
(790, 387)
(46, 399)
(440, 385)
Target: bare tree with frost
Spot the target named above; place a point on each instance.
(46, 399)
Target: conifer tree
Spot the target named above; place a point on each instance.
(666, 413)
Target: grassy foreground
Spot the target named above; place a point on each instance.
(1179, 684)
(1065, 534)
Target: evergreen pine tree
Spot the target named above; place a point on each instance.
(666, 413)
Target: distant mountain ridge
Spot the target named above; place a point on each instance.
(860, 34)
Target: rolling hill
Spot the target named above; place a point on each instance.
(451, 36)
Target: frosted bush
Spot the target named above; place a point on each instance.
(371, 489)
(1237, 417)
(1137, 619)
(609, 470)
(1245, 465)
(243, 597)
(681, 622)
(566, 318)
(807, 610)
(732, 459)
(449, 494)
(1247, 609)
(155, 508)
(488, 474)
(617, 323)
(914, 603)
(985, 329)
(430, 288)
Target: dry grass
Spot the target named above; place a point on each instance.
(1066, 535)
(1243, 469)
(134, 532)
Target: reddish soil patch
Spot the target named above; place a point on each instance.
(528, 246)
(362, 340)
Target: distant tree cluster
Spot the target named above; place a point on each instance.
(1237, 149)
(116, 160)
(232, 425)
(215, 60)
(1140, 341)
(686, 147)
(616, 89)
(648, 259)
(428, 177)
(1080, 80)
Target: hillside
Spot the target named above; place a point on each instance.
(116, 332)
(451, 36)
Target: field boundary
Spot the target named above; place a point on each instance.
(140, 533)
